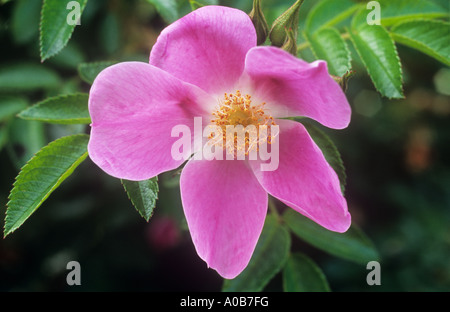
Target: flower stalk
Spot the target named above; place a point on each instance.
(291, 42)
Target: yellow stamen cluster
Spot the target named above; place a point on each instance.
(236, 110)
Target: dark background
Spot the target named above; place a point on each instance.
(396, 154)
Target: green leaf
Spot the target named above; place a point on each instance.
(168, 9)
(41, 176)
(443, 3)
(89, 71)
(352, 245)
(396, 11)
(269, 256)
(143, 195)
(328, 13)
(55, 31)
(26, 138)
(201, 3)
(330, 152)
(25, 20)
(10, 106)
(428, 36)
(379, 55)
(65, 109)
(110, 33)
(327, 44)
(27, 77)
(69, 57)
(301, 274)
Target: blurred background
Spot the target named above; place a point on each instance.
(396, 154)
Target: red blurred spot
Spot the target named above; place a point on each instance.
(163, 233)
(419, 149)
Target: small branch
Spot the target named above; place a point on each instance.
(345, 36)
(303, 46)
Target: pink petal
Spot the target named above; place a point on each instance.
(225, 208)
(134, 107)
(206, 48)
(302, 89)
(304, 180)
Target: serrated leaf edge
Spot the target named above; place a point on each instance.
(41, 52)
(310, 37)
(354, 32)
(147, 218)
(338, 18)
(15, 226)
(394, 35)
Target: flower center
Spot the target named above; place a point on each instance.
(238, 110)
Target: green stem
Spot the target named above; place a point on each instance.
(273, 209)
(345, 36)
(303, 46)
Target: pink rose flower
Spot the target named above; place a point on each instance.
(196, 61)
